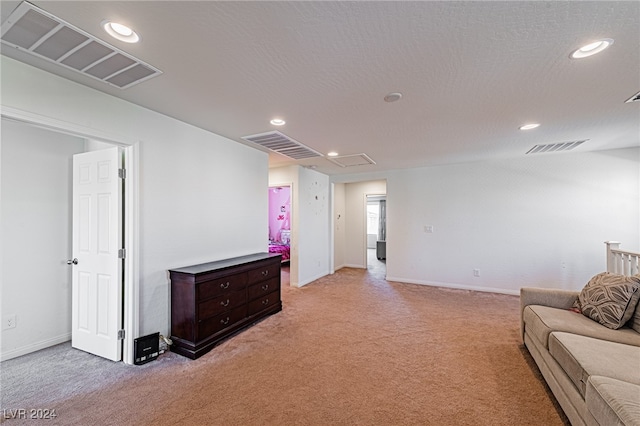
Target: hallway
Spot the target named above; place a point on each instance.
(374, 266)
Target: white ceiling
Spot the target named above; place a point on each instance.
(470, 73)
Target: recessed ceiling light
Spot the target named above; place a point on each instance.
(592, 48)
(529, 126)
(332, 154)
(278, 122)
(120, 32)
(392, 97)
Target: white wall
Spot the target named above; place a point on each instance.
(313, 235)
(533, 221)
(36, 236)
(202, 197)
(536, 221)
(339, 226)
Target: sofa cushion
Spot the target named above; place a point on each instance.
(581, 357)
(610, 299)
(540, 321)
(613, 402)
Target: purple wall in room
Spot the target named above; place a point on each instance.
(279, 211)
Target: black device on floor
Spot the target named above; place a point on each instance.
(146, 348)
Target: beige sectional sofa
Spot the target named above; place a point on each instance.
(593, 371)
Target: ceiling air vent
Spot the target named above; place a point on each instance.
(351, 160)
(282, 144)
(46, 36)
(556, 147)
(634, 98)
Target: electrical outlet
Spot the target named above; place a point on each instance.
(476, 272)
(428, 229)
(8, 322)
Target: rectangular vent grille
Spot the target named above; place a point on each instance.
(352, 160)
(634, 98)
(282, 144)
(42, 34)
(556, 147)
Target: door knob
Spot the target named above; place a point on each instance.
(72, 262)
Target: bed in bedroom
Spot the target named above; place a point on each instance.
(281, 248)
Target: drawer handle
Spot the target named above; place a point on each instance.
(265, 273)
(224, 285)
(225, 303)
(265, 302)
(224, 321)
(265, 287)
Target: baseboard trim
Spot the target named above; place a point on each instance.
(337, 268)
(455, 286)
(24, 350)
(310, 280)
(352, 265)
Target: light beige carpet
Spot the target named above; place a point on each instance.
(348, 349)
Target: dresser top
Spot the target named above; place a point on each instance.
(224, 264)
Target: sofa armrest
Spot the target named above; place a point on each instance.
(552, 297)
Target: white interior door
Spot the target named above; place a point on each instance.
(97, 267)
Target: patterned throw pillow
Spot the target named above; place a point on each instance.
(634, 322)
(610, 299)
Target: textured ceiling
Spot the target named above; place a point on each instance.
(470, 73)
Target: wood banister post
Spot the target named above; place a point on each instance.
(610, 258)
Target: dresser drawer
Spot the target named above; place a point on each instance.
(221, 286)
(264, 302)
(213, 325)
(222, 303)
(264, 272)
(262, 288)
(210, 302)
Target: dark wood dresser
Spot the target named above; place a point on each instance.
(212, 301)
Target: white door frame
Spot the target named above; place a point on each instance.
(332, 228)
(131, 241)
(366, 223)
(293, 226)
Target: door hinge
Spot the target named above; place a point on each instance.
(120, 334)
(122, 173)
(122, 253)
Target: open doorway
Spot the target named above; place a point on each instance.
(280, 227)
(280, 221)
(74, 139)
(376, 244)
(349, 224)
